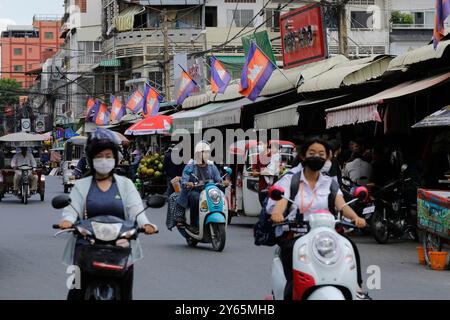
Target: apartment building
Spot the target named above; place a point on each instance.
(24, 48)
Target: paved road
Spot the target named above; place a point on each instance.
(30, 261)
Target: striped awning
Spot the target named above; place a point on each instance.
(113, 63)
(125, 20)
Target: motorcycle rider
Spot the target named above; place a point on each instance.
(24, 158)
(104, 192)
(313, 195)
(204, 170)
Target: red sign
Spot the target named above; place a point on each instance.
(302, 36)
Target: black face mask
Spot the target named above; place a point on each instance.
(314, 163)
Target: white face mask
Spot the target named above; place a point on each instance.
(104, 165)
(326, 168)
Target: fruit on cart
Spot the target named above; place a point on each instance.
(151, 167)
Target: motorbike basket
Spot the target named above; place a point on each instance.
(104, 260)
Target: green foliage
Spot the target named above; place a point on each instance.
(9, 92)
(398, 17)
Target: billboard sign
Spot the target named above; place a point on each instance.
(303, 37)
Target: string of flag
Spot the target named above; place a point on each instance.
(258, 68)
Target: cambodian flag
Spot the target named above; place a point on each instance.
(102, 115)
(186, 87)
(220, 78)
(89, 109)
(117, 110)
(257, 71)
(442, 12)
(152, 102)
(136, 102)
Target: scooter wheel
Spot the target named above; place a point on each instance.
(191, 242)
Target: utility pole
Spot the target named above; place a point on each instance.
(342, 27)
(166, 56)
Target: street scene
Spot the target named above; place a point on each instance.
(224, 150)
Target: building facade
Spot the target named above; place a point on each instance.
(24, 48)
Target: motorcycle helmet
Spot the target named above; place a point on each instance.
(100, 140)
(200, 148)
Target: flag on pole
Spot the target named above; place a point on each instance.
(220, 78)
(102, 116)
(135, 102)
(93, 112)
(257, 71)
(89, 109)
(152, 102)
(186, 87)
(117, 110)
(442, 12)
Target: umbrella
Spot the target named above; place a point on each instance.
(151, 125)
(440, 118)
(22, 137)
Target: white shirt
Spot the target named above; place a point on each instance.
(313, 200)
(19, 160)
(356, 169)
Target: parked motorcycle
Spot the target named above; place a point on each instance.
(363, 209)
(395, 209)
(324, 262)
(104, 260)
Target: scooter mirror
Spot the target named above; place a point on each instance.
(156, 201)
(276, 193)
(228, 171)
(62, 201)
(361, 193)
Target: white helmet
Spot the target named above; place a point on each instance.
(202, 147)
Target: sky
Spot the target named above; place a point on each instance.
(22, 11)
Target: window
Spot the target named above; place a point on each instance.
(18, 68)
(18, 51)
(156, 79)
(361, 20)
(273, 19)
(30, 50)
(82, 5)
(211, 16)
(48, 35)
(242, 18)
(89, 47)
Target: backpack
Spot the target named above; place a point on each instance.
(264, 232)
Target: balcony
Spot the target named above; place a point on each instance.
(151, 42)
(91, 59)
(412, 26)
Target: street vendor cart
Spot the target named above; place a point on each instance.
(433, 219)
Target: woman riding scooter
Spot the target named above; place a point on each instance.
(103, 191)
(313, 195)
(204, 170)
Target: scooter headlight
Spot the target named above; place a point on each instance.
(214, 195)
(106, 231)
(325, 248)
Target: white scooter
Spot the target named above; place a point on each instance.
(324, 263)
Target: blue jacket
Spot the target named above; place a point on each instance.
(214, 173)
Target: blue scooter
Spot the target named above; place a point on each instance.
(213, 214)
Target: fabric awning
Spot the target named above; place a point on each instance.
(185, 120)
(347, 73)
(125, 20)
(418, 55)
(284, 117)
(440, 118)
(113, 63)
(363, 110)
(228, 114)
